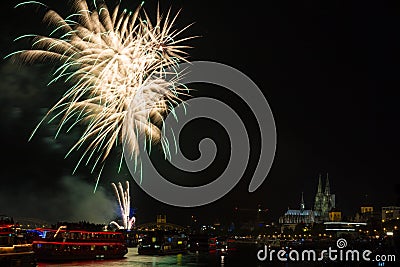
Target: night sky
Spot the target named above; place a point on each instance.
(325, 67)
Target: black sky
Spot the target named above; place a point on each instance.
(325, 67)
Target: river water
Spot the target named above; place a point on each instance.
(134, 259)
(246, 256)
(243, 257)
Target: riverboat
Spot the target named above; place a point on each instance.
(13, 250)
(162, 242)
(63, 244)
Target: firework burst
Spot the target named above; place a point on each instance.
(124, 201)
(115, 63)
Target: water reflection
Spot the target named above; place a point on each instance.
(242, 257)
(133, 259)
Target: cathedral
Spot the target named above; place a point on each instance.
(324, 202)
(293, 217)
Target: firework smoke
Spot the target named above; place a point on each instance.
(115, 63)
(124, 201)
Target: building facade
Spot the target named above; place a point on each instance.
(368, 214)
(324, 209)
(324, 201)
(367, 209)
(335, 215)
(390, 213)
(302, 215)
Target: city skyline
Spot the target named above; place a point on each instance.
(323, 67)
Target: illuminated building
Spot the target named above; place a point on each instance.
(301, 216)
(368, 214)
(335, 215)
(161, 218)
(347, 228)
(390, 213)
(366, 209)
(324, 201)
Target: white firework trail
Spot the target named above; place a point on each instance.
(124, 201)
(115, 63)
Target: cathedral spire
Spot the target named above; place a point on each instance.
(327, 187)
(319, 196)
(302, 206)
(319, 185)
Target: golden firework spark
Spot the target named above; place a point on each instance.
(115, 63)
